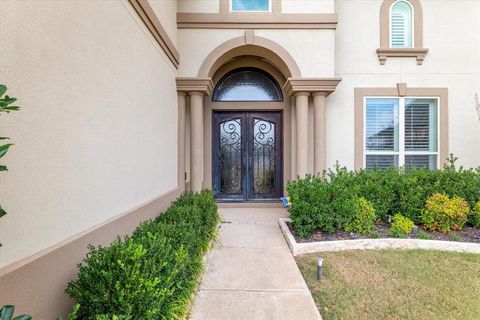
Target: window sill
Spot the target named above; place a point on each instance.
(418, 53)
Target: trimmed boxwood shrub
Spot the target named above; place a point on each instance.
(153, 273)
(322, 202)
(474, 216)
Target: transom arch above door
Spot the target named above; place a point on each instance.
(247, 84)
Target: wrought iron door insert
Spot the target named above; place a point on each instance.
(247, 155)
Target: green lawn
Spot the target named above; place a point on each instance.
(395, 284)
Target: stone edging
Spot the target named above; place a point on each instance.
(373, 244)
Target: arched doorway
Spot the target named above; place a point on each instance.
(247, 132)
(270, 61)
(247, 150)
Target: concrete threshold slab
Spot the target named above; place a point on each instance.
(372, 244)
(251, 235)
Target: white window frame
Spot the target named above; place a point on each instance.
(390, 24)
(250, 11)
(401, 153)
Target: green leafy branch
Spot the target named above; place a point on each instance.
(5, 107)
(6, 313)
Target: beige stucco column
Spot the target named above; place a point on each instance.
(181, 140)
(196, 140)
(319, 124)
(319, 88)
(197, 89)
(301, 105)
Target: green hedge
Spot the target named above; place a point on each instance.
(324, 201)
(153, 273)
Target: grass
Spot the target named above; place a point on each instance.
(395, 284)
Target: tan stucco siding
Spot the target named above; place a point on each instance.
(452, 62)
(199, 6)
(312, 50)
(97, 133)
(196, 44)
(166, 12)
(308, 6)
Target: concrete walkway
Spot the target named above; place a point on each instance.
(251, 274)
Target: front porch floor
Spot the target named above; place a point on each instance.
(251, 273)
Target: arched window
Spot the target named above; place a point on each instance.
(247, 84)
(401, 25)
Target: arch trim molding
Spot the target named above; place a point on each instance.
(254, 46)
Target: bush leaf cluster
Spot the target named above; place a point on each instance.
(6, 313)
(363, 217)
(401, 226)
(443, 214)
(153, 273)
(5, 107)
(324, 202)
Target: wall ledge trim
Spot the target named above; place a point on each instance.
(418, 53)
(311, 85)
(188, 85)
(149, 18)
(256, 21)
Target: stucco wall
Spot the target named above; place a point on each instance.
(452, 62)
(166, 12)
(308, 6)
(204, 6)
(312, 50)
(97, 133)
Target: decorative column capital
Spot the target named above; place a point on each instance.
(193, 86)
(196, 93)
(311, 85)
(301, 94)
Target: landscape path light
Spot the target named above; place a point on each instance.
(319, 268)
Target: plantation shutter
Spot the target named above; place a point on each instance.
(420, 133)
(401, 25)
(382, 124)
(398, 30)
(381, 161)
(381, 118)
(419, 125)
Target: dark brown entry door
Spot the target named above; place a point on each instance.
(247, 155)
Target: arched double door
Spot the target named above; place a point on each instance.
(247, 145)
(247, 155)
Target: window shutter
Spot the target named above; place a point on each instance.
(398, 30)
(420, 125)
(417, 123)
(401, 27)
(381, 161)
(382, 124)
(421, 161)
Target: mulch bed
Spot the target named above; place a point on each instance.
(467, 234)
